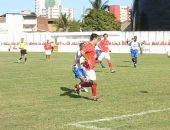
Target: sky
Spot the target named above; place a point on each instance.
(15, 6)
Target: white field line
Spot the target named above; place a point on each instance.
(79, 124)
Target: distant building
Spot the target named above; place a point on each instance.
(121, 13)
(151, 15)
(18, 22)
(52, 9)
(25, 22)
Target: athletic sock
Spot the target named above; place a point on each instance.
(110, 65)
(93, 88)
(101, 63)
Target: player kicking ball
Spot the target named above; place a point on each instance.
(79, 70)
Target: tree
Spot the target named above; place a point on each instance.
(74, 26)
(63, 22)
(98, 5)
(100, 20)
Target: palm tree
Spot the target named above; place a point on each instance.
(63, 22)
(98, 5)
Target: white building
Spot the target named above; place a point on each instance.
(124, 13)
(18, 22)
(51, 9)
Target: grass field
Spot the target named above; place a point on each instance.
(39, 95)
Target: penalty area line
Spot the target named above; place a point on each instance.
(83, 124)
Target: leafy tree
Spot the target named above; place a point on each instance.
(65, 24)
(100, 20)
(98, 5)
(62, 22)
(74, 26)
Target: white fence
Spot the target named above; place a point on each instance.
(155, 42)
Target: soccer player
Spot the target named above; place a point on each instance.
(103, 45)
(134, 50)
(48, 49)
(98, 52)
(78, 68)
(88, 52)
(23, 51)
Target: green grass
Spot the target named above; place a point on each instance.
(39, 95)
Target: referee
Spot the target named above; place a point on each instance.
(23, 51)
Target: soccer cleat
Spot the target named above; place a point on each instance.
(112, 71)
(134, 65)
(77, 88)
(103, 66)
(19, 61)
(94, 98)
(85, 89)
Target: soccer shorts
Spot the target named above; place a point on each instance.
(23, 52)
(79, 72)
(134, 53)
(90, 75)
(105, 55)
(98, 52)
(47, 52)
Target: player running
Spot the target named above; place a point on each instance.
(23, 51)
(88, 52)
(103, 45)
(78, 69)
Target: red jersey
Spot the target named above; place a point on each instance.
(103, 45)
(90, 54)
(47, 46)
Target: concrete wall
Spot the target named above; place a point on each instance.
(155, 42)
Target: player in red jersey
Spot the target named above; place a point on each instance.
(48, 49)
(88, 52)
(103, 45)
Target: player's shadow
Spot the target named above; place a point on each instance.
(98, 71)
(127, 61)
(123, 66)
(144, 91)
(71, 93)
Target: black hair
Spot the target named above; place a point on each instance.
(105, 34)
(93, 35)
(81, 44)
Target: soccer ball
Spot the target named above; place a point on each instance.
(84, 90)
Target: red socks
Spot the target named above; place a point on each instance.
(93, 88)
(110, 65)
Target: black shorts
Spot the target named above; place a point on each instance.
(23, 52)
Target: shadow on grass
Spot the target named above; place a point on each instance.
(124, 66)
(144, 91)
(71, 93)
(98, 71)
(127, 61)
